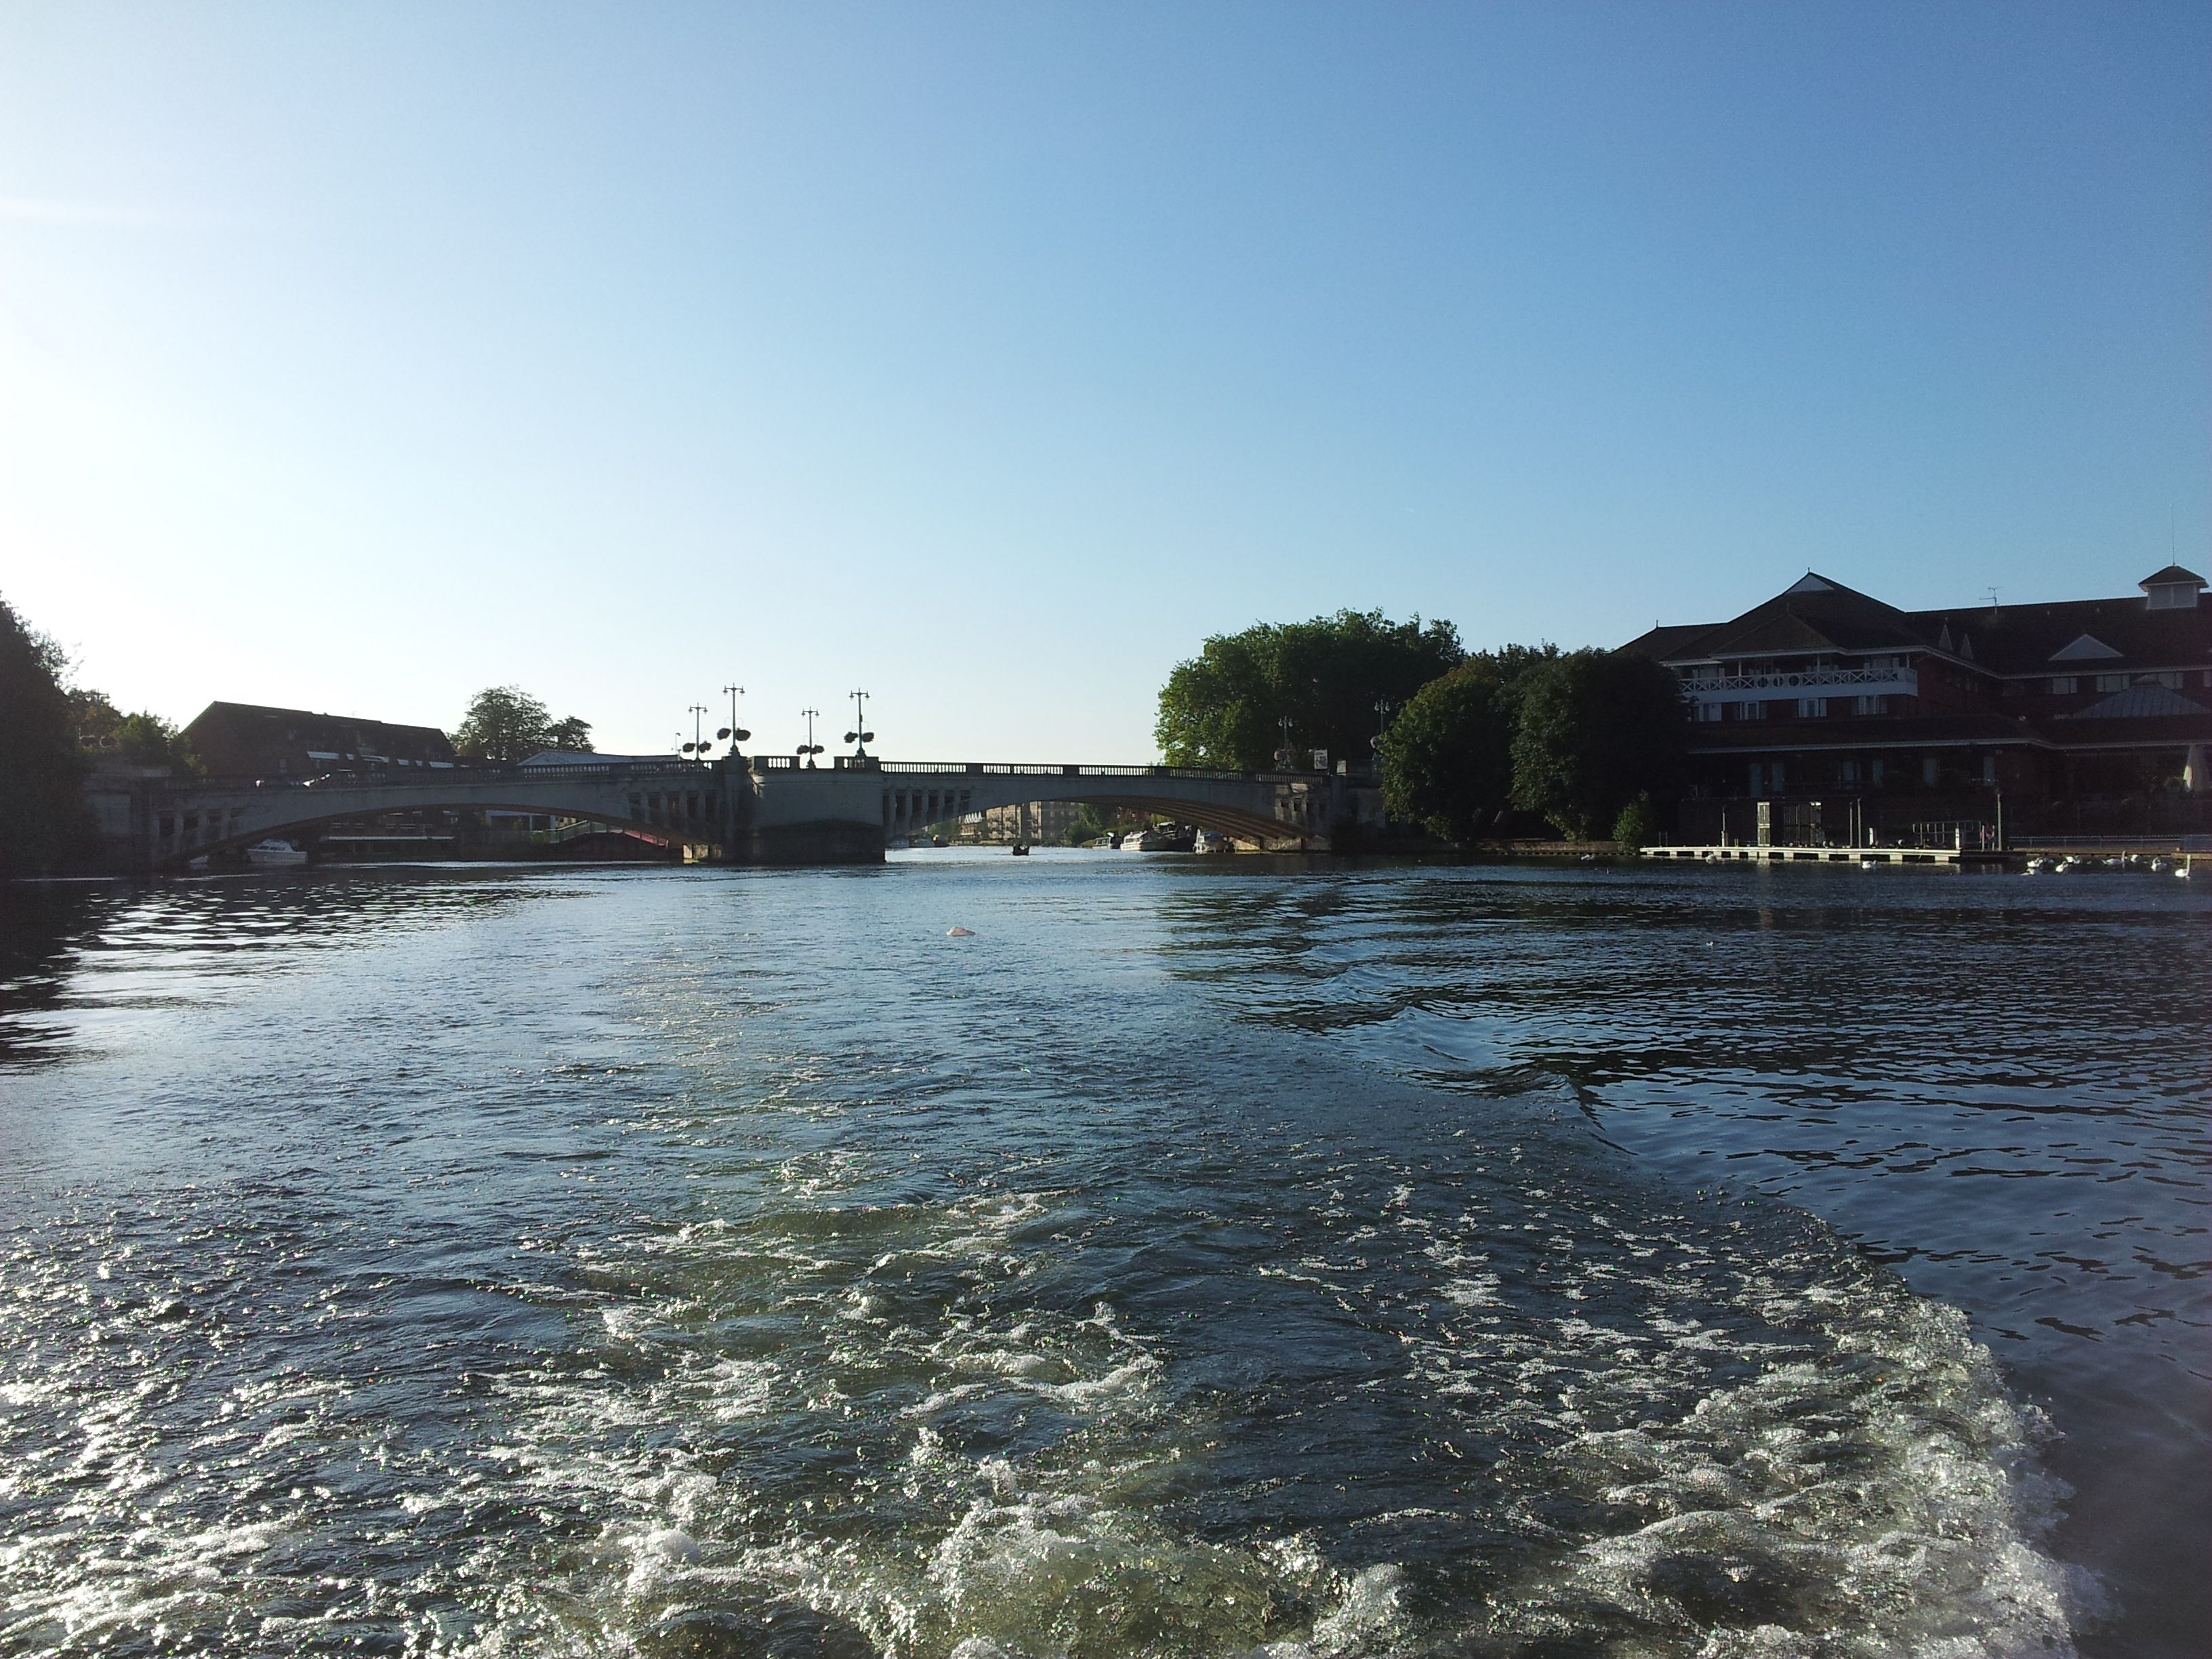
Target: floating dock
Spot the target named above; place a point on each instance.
(1970, 857)
(2185, 862)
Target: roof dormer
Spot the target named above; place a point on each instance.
(2172, 589)
(2084, 647)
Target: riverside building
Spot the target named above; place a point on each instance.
(1825, 716)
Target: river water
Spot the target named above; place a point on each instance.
(1200, 1257)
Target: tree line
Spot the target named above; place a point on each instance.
(1592, 742)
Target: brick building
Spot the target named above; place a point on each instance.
(1834, 709)
(244, 739)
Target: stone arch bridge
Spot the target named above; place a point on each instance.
(751, 810)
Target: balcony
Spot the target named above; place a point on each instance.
(1802, 683)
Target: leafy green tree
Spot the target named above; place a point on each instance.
(571, 735)
(143, 738)
(97, 718)
(1448, 756)
(1224, 708)
(1597, 729)
(505, 723)
(147, 739)
(1637, 827)
(44, 823)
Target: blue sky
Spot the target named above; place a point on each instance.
(990, 357)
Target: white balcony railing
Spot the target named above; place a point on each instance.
(1802, 683)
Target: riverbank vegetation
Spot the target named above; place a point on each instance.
(44, 824)
(52, 733)
(1592, 742)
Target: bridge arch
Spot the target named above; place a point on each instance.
(1249, 807)
(190, 820)
(182, 855)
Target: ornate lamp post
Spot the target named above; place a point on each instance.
(860, 737)
(809, 749)
(734, 732)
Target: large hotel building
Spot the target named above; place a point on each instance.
(1824, 708)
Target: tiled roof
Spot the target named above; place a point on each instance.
(1828, 616)
(2011, 639)
(2138, 702)
(239, 733)
(1660, 643)
(2025, 639)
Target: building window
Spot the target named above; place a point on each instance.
(1710, 711)
(1875, 705)
(2111, 681)
(2170, 680)
(1811, 709)
(1848, 772)
(1751, 711)
(1877, 770)
(1931, 770)
(1990, 769)
(2064, 685)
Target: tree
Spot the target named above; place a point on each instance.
(1448, 756)
(147, 739)
(43, 821)
(1597, 730)
(1224, 708)
(1637, 827)
(143, 738)
(571, 735)
(505, 723)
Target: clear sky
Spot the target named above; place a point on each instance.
(991, 356)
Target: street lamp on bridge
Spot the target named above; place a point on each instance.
(860, 737)
(809, 749)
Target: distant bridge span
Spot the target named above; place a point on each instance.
(754, 809)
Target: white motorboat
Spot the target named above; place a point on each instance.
(1143, 840)
(1213, 840)
(275, 852)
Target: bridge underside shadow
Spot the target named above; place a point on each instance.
(909, 806)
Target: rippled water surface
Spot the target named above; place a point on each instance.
(1204, 1257)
